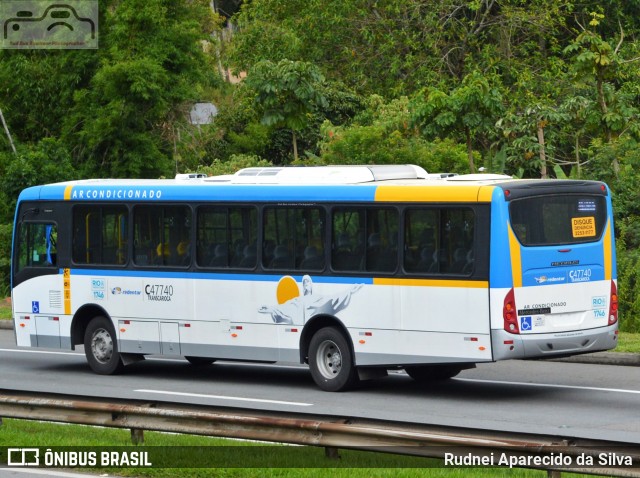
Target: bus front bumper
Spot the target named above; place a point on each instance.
(517, 346)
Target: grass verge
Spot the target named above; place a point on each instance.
(5, 309)
(628, 342)
(299, 461)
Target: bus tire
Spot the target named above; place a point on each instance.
(428, 373)
(101, 347)
(331, 360)
(199, 361)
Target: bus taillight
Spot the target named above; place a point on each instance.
(613, 304)
(509, 313)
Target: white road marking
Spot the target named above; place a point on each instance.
(79, 354)
(222, 397)
(549, 385)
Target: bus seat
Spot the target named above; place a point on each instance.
(183, 250)
(343, 242)
(426, 259)
(374, 240)
(268, 249)
(312, 259)
(220, 256)
(250, 256)
(468, 267)
(439, 261)
(238, 253)
(384, 261)
(459, 260)
(281, 258)
(378, 257)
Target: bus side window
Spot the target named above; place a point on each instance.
(37, 245)
(293, 238)
(226, 237)
(99, 235)
(439, 240)
(162, 236)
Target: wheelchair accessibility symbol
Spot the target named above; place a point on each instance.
(525, 323)
(35, 307)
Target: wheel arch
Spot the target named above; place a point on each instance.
(81, 320)
(319, 322)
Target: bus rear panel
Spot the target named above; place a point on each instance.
(553, 274)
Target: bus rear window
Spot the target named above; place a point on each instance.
(558, 219)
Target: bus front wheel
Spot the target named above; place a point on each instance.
(331, 361)
(101, 347)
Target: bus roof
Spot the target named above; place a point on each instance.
(386, 183)
(326, 174)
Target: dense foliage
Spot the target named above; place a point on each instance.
(531, 89)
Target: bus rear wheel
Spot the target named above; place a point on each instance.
(331, 361)
(428, 373)
(101, 347)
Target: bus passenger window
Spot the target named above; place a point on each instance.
(100, 235)
(439, 240)
(162, 236)
(226, 237)
(293, 238)
(382, 241)
(365, 239)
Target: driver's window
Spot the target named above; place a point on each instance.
(37, 245)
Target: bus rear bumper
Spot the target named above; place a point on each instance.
(513, 346)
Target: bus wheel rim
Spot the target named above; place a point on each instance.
(329, 359)
(102, 345)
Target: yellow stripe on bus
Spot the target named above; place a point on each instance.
(608, 253)
(434, 193)
(486, 193)
(67, 192)
(516, 260)
(66, 277)
(467, 284)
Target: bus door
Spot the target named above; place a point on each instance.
(37, 286)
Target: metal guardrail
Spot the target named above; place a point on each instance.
(331, 432)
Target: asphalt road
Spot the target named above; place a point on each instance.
(557, 398)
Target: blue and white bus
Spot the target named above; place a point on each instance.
(353, 270)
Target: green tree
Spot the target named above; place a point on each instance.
(48, 161)
(287, 93)
(599, 65)
(152, 65)
(529, 133)
(394, 47)
(234, 163)
(36, 89)
(381, 134)
(470, 110)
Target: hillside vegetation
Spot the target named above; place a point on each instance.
(529, 88)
